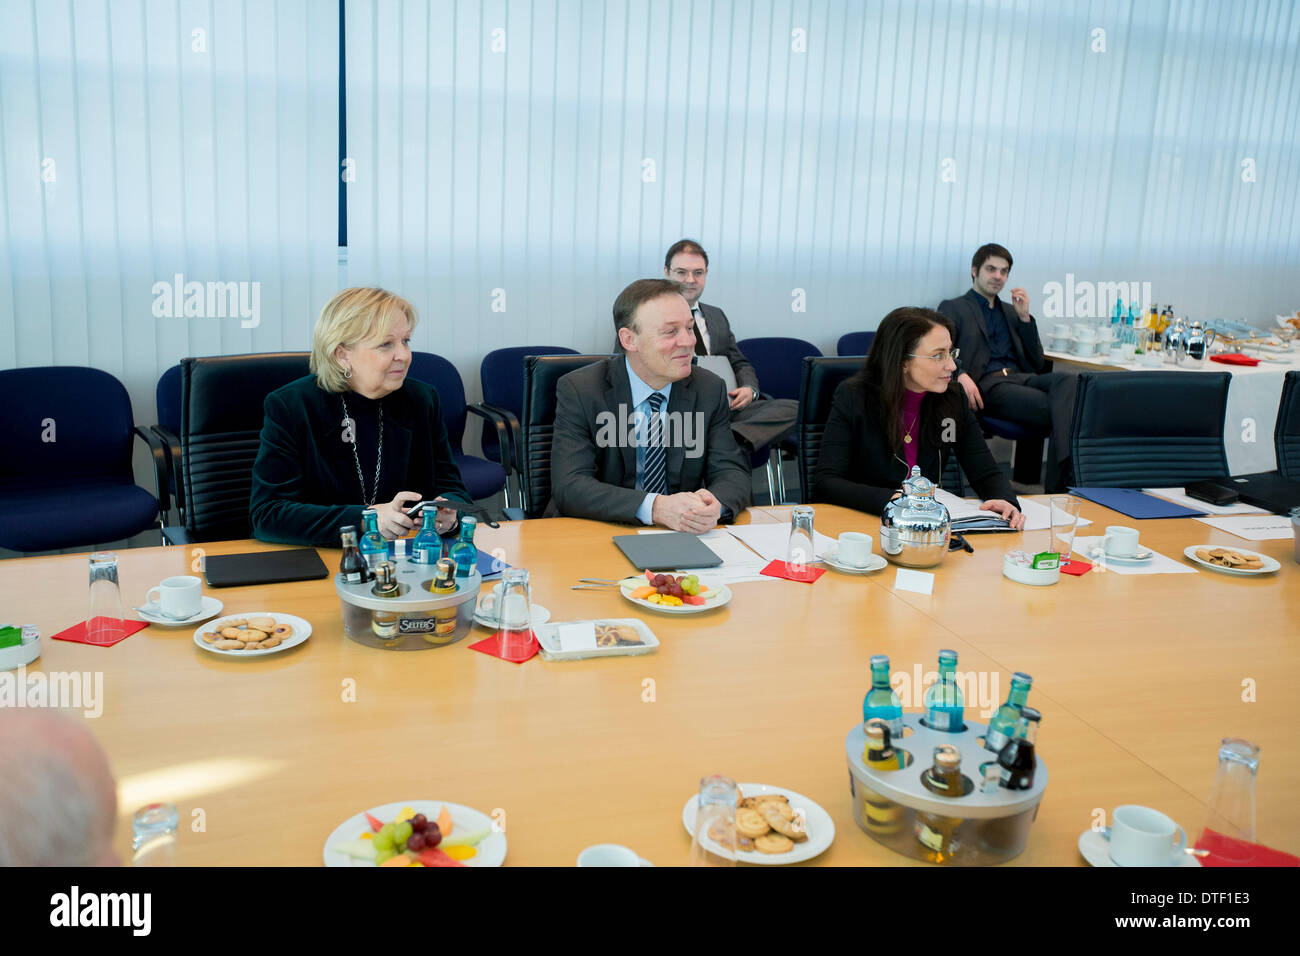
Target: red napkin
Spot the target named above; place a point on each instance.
(492, 647)
(1234, 358)
(77, 633)
(781, 569)
(1228, 851)
(1076, 567)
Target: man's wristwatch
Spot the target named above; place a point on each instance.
(754, 391)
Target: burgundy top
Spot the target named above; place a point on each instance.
(910, 416)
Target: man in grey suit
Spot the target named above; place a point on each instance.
(644, 436)
(1001, 367)
(756, 421)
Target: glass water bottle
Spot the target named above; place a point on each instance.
(943, 700)
(881, 701)
(1003, 724)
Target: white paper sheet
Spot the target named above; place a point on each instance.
(922, 582)
(1264, 527)
(577, 637)
(1159, 563)
(771, 541)
(1038, 515)
(1177, 497)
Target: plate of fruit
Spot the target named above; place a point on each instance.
(417, 833)
(675, 593)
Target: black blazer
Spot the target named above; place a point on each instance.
(722, 341)
(593, 478)
(305, 485)
(858, 468)
(973, 336)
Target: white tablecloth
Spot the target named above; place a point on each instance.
(1253, 397)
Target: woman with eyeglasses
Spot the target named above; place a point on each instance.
(903, 409)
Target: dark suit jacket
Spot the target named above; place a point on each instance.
(305, 485)
(973, 337)
(858, 468)
(722, 341)
(591, 481)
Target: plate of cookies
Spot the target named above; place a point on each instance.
(774, 825)
(1230, 560)
(579, 640)
(255, 634)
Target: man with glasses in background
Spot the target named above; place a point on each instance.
(1002, 369)
(755, 421)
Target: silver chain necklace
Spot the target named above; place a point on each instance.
(379, 457)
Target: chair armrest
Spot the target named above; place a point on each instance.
(508, 431)
(173, 443)
(161, 463)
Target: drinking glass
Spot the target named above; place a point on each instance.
(153, 835)
(713, 843)
(514, 610)
(106, 623)
(1065, 521)
(1230, 819)
(799, 553)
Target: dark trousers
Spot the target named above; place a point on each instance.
(1043, 400)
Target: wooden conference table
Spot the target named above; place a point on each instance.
(1137, 678)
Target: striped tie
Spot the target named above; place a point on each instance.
(656, 468)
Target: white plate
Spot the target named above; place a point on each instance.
(537, 615)
(548, 638)
(821, 829)
(874, 563)
(1142, 557)
(210, 607)
(718, 595)
(491, 849)
(1270, 565)
(1095, 847)
(301, 631)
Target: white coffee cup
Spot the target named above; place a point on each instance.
(1120, 542)
(1140, 836)
(608, 854)
(854, 549)
(178, 597)
(487, 605)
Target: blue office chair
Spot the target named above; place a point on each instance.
(1286, 435)
(779, 364)
(501, 375)
(854, 343)
(1115, 441)
(482, 478)
(66, 478)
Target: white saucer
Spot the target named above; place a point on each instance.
(874, 563)
(1142, 557)
(1095, 847)
(210, 607)
(537, 615)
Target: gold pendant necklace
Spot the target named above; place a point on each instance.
(907, 436)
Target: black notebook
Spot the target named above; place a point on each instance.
(263, 567)
(666, 552)
(1267, 490)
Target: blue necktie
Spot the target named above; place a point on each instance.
(656, 465)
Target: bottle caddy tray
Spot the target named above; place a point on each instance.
(987, 827)
(418, 620)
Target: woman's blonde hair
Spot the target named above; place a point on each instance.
(350, 318)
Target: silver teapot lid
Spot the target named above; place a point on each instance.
(919, 489)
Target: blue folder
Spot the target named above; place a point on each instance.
(1134, 503)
